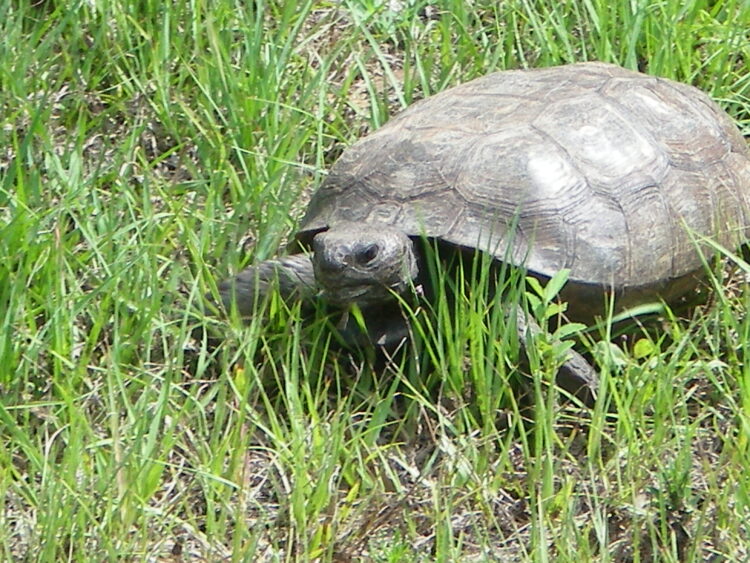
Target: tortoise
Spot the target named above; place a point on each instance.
(606, 172)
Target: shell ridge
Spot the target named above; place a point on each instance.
(563, 157)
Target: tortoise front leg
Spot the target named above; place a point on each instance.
(292, 276)
(575, 375)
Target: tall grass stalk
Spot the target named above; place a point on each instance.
(150, 149)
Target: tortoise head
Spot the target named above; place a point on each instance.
(363, 264)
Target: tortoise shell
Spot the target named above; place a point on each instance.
(612, 174)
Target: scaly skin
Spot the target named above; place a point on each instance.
(575, 375)
(365, 265)
(292, 276)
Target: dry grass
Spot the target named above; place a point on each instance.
(149, 150)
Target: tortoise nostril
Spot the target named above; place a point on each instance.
(367, 254)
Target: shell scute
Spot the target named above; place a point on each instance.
(611, 173)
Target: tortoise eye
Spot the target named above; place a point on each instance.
(366, 255)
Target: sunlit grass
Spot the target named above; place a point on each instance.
(151, 149)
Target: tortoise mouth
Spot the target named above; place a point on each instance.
(363, 264)
(360, 293)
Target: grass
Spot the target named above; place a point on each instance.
(150, 149)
